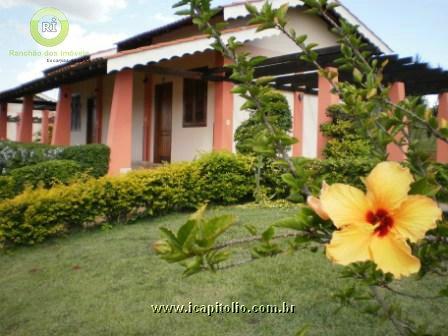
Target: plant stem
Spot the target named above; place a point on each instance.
(412, 296)
(248, 240)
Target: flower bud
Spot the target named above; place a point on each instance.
(161, 247)
(315, 203)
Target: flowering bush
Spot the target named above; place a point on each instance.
(393, 229)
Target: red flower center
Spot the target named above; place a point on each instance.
(383, 219)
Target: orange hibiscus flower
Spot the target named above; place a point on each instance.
(376, 226)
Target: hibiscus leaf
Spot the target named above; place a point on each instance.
(426, 186)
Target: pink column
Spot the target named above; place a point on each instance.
(25, 133)
(223, 127)
(298, 123)
(119, 137)
(44, 127)
(326, 99)
(147, 120)
(442, 146)
(62, 123)
(3, 120)
(397, 93)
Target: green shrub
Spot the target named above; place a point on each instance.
(271, 180)
(93, 159)
(442, 178)
(45, 174)
(334, 171)
(16, 155)
(36, 215)
(225, 178)
(6, 187)
(13, 228)
(250, 130)
(344, 140)
(251, 138)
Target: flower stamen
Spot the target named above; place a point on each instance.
(382, 220)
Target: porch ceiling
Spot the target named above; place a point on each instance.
(37, 104)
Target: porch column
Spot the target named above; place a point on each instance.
(119, 137)
(62, 123)
(147, 119)
(298, 123)
(223, 127)
(3, 120)
(44, 127)
(325, 99)
(99, 111)
(442, 147)
(25, 133)
(397, 93)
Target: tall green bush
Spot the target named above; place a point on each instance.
(345, 140)
(252, 132)
(248, 134)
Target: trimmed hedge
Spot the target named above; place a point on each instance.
(45, 174)
(36, 215)
(93, 159)
(15, 155)
(224, 177)
(219, 178)
(6, 187)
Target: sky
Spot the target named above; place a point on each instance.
(409, 27)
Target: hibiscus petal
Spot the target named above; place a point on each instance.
(350, 244)
(393, 255)
(315, 204)
(416, 215)
(345, 204)
(388, 185)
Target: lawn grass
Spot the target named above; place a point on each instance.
(103, 283)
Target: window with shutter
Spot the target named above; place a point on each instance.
(76, 113)
(195, 103)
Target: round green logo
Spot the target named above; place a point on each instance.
(49, 27)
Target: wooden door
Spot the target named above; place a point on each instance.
(91, 117)
(163, 122)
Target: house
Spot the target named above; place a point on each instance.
(42, 117)
(163, 95)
